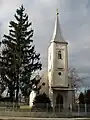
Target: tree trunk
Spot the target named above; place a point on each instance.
(17, 92)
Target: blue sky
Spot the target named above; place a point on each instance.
(75, 24)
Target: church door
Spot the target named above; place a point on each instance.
(59, 102)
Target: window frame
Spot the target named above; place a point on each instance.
(59, 54)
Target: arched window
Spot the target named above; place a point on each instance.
(59, 55)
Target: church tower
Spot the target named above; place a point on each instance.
(58, 67)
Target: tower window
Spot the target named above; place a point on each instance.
(59, 55)
(59, 73)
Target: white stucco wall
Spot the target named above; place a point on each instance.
(45, 88)
(56, 65)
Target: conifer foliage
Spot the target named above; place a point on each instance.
(42, 101)
(19, 60)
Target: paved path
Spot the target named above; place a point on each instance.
(27, 118)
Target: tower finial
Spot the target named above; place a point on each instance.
(57, 12)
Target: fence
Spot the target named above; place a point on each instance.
(44, 110)
(48, 108)
(60, 108)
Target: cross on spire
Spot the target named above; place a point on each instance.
(57, 12)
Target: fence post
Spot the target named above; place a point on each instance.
(53, 108)
(85, 108)
(47, 107)
(59, 107)
(70, 107)
(78, 109)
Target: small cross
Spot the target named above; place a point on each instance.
(57, 12)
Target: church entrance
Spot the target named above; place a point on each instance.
(59, 102)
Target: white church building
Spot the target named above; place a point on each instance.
(57, 85)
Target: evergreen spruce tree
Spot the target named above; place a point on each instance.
(41, 101)
(19, 60)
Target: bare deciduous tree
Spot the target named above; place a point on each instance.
(74, 78)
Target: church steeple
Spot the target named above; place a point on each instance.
(57, 34)
(58, 82)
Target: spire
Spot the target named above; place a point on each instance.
(57, 35)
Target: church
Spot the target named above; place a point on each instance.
(57, 84)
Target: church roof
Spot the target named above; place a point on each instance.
(57, 34)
